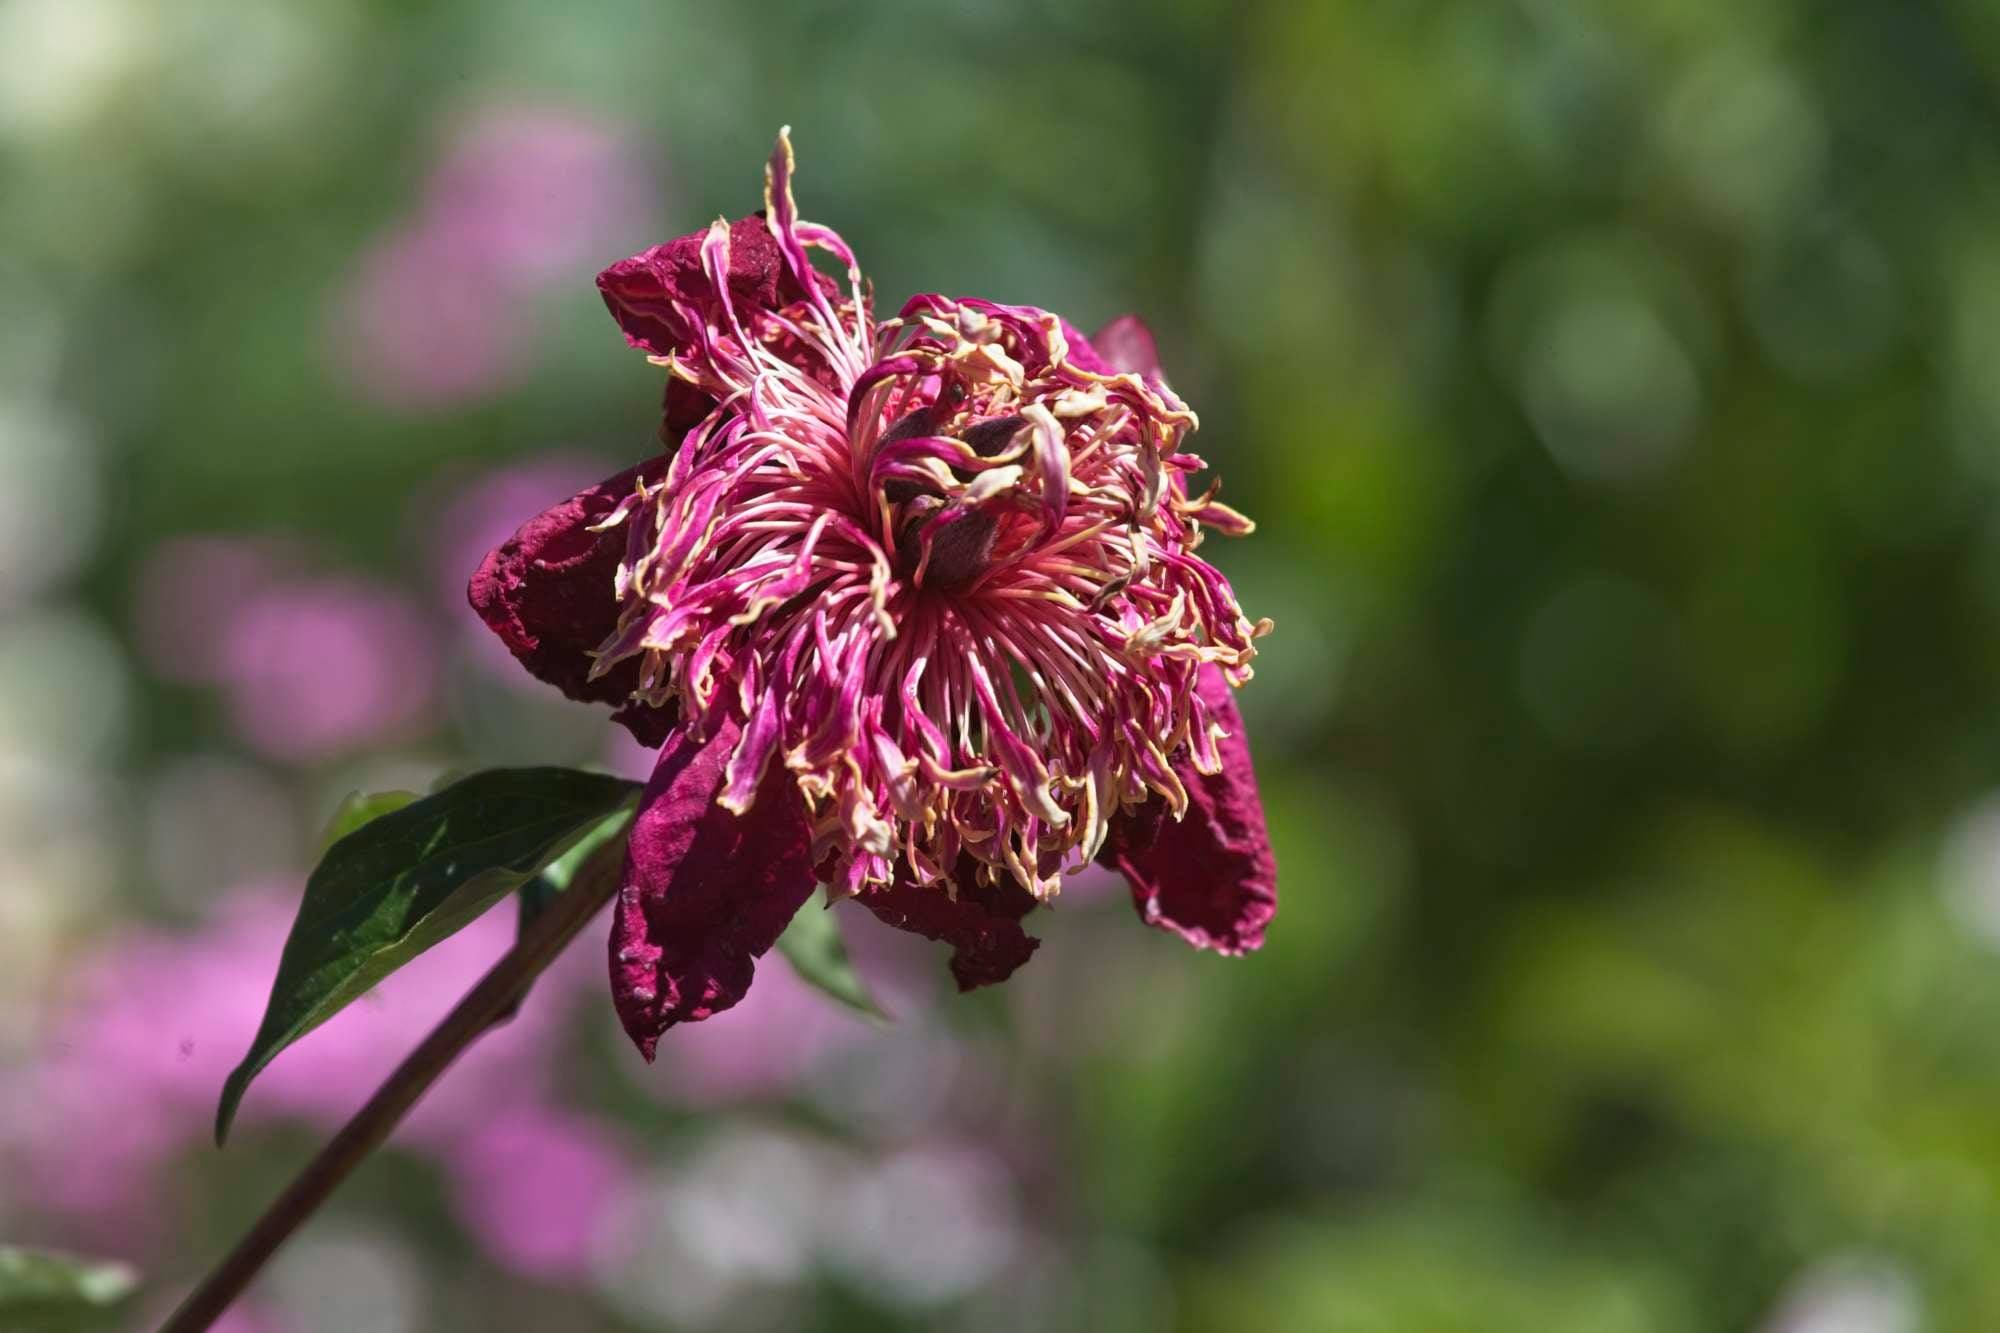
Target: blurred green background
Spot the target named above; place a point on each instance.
(1617, 389)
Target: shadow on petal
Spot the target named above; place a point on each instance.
(982, 924)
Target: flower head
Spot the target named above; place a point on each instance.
(915, 604)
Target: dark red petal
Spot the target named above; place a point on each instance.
(648, 293)
(1127, 344)
(1210, 877)
(643, 292)
(547, 591)
(982, 925)
(706, 892)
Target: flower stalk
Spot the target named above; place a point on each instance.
(486, 1003)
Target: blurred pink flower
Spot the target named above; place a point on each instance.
(127, 1080)
(188, 588)
(521, 194)
(533, 190)
(312, 665)
(760, 1050)
(536, 1185)
(251, 1318)
(622, 753)
(320, 668)
(422, 327)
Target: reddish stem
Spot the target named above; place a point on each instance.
(371, 1126)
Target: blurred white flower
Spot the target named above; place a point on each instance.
(723, 1235)
(344, 1277)
(1849, 1294)
(50, 506)
(65, 58)
(64, 690)
(1969, 870)
(928, 1225)
(212, 821)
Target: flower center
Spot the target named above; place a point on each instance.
(943, 544)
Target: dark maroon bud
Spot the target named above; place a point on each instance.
(908, 427)
(988, 438)
(960, 549)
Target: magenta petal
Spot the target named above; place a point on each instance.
(1083, 354)
(548, 592)
(1127, 344)
(1210, 877)
(1123, 346)
(706, 892)
(982, 924)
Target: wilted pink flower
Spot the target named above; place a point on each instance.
(914, 608)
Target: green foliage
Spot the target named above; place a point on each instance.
(358, 808)
(42, 1291)
(534, 897)
(409, 878)
(813, 946)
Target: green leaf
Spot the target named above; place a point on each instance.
(407, 879)
(813, 946)
(358, 808)
(42, 1290)
(555, 877)
(535, 896)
